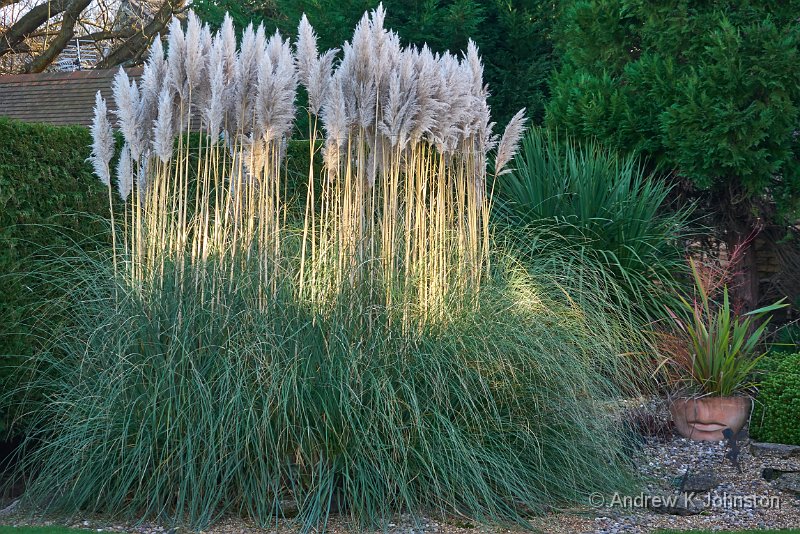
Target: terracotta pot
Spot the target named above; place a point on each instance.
(704, 418)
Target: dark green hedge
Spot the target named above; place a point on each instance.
(777, 408)
(45, 183)
(50, 199)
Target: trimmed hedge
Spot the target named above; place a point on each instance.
(49, 197)
(777, 408)
(45, 183)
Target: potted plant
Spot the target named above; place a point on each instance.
(715, 368)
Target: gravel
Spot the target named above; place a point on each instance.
(739, 498)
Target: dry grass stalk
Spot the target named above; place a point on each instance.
(404, 215)
(401, 219)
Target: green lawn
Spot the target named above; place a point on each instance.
(792, 531)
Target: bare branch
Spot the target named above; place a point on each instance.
(29, 23)
(135, 46)
(66, 33)
(107, 34)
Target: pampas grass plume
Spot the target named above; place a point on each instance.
(163, 133)
(152, 77)
(319, 81)
(334, 112)
(509, 144)
(306, 50)
(126, 98)
(277, 86)
(102, 140)
(176, 58)
(125, 173)
(195, 60)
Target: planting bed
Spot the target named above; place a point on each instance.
(662, 460)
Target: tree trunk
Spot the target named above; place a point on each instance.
(137, 44)
(65, 34)
(29, 23)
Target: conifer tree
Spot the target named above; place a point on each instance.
(707, 91)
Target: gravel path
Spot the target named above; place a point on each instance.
(716, 494)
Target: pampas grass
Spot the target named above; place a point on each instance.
(229, 206)
(509, 143)
(404, 204)
(102, 152)
(160, 405)
(102, 141)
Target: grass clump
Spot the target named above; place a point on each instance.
(607, 209)
(163, 405)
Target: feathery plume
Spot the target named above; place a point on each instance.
(400, 106)
(473, 59)
(214, 112)
(378, 19)
(334, 112)
(126, 98)
(152, 77)
(102, 141)
(125, 173)
(452, 92)
(176, 58)
(319, 80)
(346, 77)
(163, 132)
(206, 40)
(366, 98)
(277, 86)
(155, 55)
(245, 86)
(202, 90)
(385, 47)
(194, 61)
(306, 50)
(227, 43)
(429, 108)
(482, 127)
(509, 144)
(364, 48)
(222, 69)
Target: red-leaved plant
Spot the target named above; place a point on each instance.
(714, 347)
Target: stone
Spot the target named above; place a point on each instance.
(789, 482)
(10, 508)
(778, 450)
(699, 482)
(769, 474)
(683, 504)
